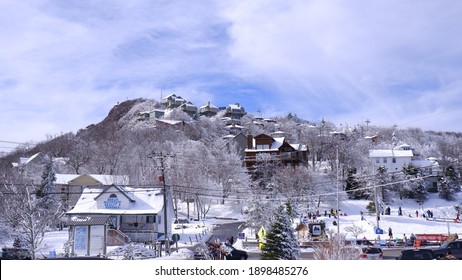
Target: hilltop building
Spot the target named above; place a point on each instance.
(277, 149)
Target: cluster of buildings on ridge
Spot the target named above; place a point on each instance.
(172, 101)
(106, 210)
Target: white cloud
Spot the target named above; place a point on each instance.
(348, 60)
(64, 64)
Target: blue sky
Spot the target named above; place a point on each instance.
(65, 64)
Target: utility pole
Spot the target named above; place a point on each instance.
(160, 156)
(377, 212)
(338, 201)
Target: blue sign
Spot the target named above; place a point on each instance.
(112, 202)
(80, 239)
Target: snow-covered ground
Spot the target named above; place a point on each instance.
(197, 231)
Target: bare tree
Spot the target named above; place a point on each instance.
(336, 249)
(25, 215)
(355, 230)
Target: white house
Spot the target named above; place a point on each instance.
(392, 160)
(116, 215)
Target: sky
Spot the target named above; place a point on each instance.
(65, 64)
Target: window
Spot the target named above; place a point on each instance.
(394, 160)
(384, 160)
(263, 147)
(377, 160)
(150, 219)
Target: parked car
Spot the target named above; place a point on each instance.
(454, 247)
(235, 254)
(417, 254)
(371, 253)
(359, 242)
(15, 254)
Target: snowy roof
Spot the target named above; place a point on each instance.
(425, 163)
(277, 143)
(171, 122)
(170, 96)
(278, 133)
(143, 201)
(66, 179)
(299, 147)
(235, 126)
(390, 153)
(88, 220)
(209, 105)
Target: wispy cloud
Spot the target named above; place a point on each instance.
(64, 64)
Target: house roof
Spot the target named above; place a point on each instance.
(275, 145)
(87, 220)
(105, 180)
(124, 192)
(170, 122)
(390, 153)
(145, 201)
(209, 106)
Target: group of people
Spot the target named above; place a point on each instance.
(426, 214)
(310, 216)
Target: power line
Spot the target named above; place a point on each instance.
(12, 142)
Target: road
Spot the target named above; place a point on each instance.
(224, 231)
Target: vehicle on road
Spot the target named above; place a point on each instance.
(417, 254)
(359, 242)
(371, 253)
(454, 247)
(15, 254)
(235, 254)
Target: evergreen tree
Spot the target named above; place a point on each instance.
(281, 242)
(449, 184)
(47, 190)
(384, 192)
(354, 186)
(257, 213)
(420, 189)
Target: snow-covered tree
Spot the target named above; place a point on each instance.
(24, 213)
(449, 184)
(336, 249)
(355, 230)
(47, 190)
(258, 213)
(281, 241)
(382, 178)
(413, 185)
(354, 186)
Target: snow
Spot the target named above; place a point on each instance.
(200, 231)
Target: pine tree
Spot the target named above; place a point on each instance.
(449, 184)
(354, 186)
(384, 192)
(47, 190)
(420, 189)
(281, 242)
